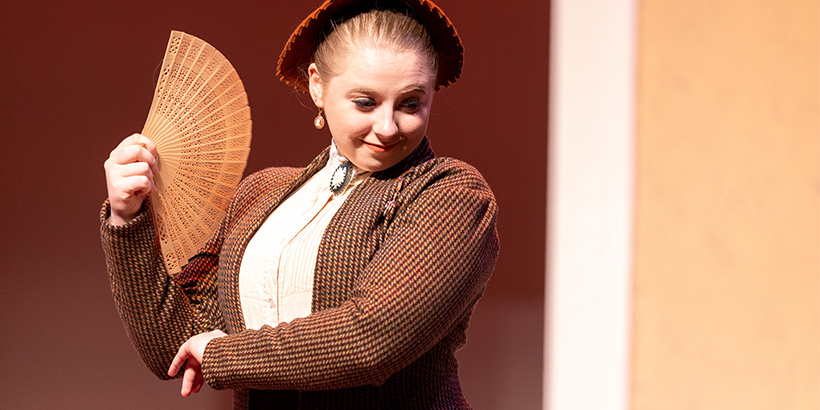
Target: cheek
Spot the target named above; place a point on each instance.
(345, 124)
(415, 125)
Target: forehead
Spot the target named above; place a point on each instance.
(380, 68)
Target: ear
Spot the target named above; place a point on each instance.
(315, 85)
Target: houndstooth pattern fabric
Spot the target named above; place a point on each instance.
(399, 270)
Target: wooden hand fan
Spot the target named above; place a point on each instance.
(201, 124)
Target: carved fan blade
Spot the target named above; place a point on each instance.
(201, 124)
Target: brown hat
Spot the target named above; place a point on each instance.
(299, 49)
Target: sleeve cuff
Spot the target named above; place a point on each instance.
(142, 217)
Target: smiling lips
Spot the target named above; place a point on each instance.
(379, 147)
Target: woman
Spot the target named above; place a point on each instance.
(346, 284)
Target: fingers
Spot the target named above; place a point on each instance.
(179, 359)
(149, 150)
(135, 177)
(198, 382)
(140, 140)
(129, 172)
(135, 148)
(192, 380)
(190, 354)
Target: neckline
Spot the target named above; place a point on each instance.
(337, 160)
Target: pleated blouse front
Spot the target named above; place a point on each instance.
(276, 274)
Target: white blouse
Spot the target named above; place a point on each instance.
(276, 275)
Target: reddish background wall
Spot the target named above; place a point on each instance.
(75, 79)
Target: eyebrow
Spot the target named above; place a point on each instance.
(410, 89)
(414, 88)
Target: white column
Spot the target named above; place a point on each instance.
(590, 204)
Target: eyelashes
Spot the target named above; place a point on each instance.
(364, 104)
(409, 105)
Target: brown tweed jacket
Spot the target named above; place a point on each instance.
(399, 270)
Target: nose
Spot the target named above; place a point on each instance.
(385, 125)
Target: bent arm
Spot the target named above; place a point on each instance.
(159, 312)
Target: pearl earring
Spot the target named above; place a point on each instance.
(319, 121)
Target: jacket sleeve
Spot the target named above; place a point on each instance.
(422, 282)
(160, 312)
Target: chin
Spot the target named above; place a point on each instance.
(373, 165)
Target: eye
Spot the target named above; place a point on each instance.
(411, 105)
(364, 104)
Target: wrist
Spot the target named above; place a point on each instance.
(117, 220)
(118, 216)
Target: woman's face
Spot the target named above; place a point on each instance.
(378, 106)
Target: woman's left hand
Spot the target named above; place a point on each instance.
(192, 351)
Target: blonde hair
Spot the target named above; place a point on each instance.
(373, 29)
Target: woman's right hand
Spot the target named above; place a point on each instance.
(129, 174)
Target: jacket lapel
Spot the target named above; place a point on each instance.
(264, 200)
